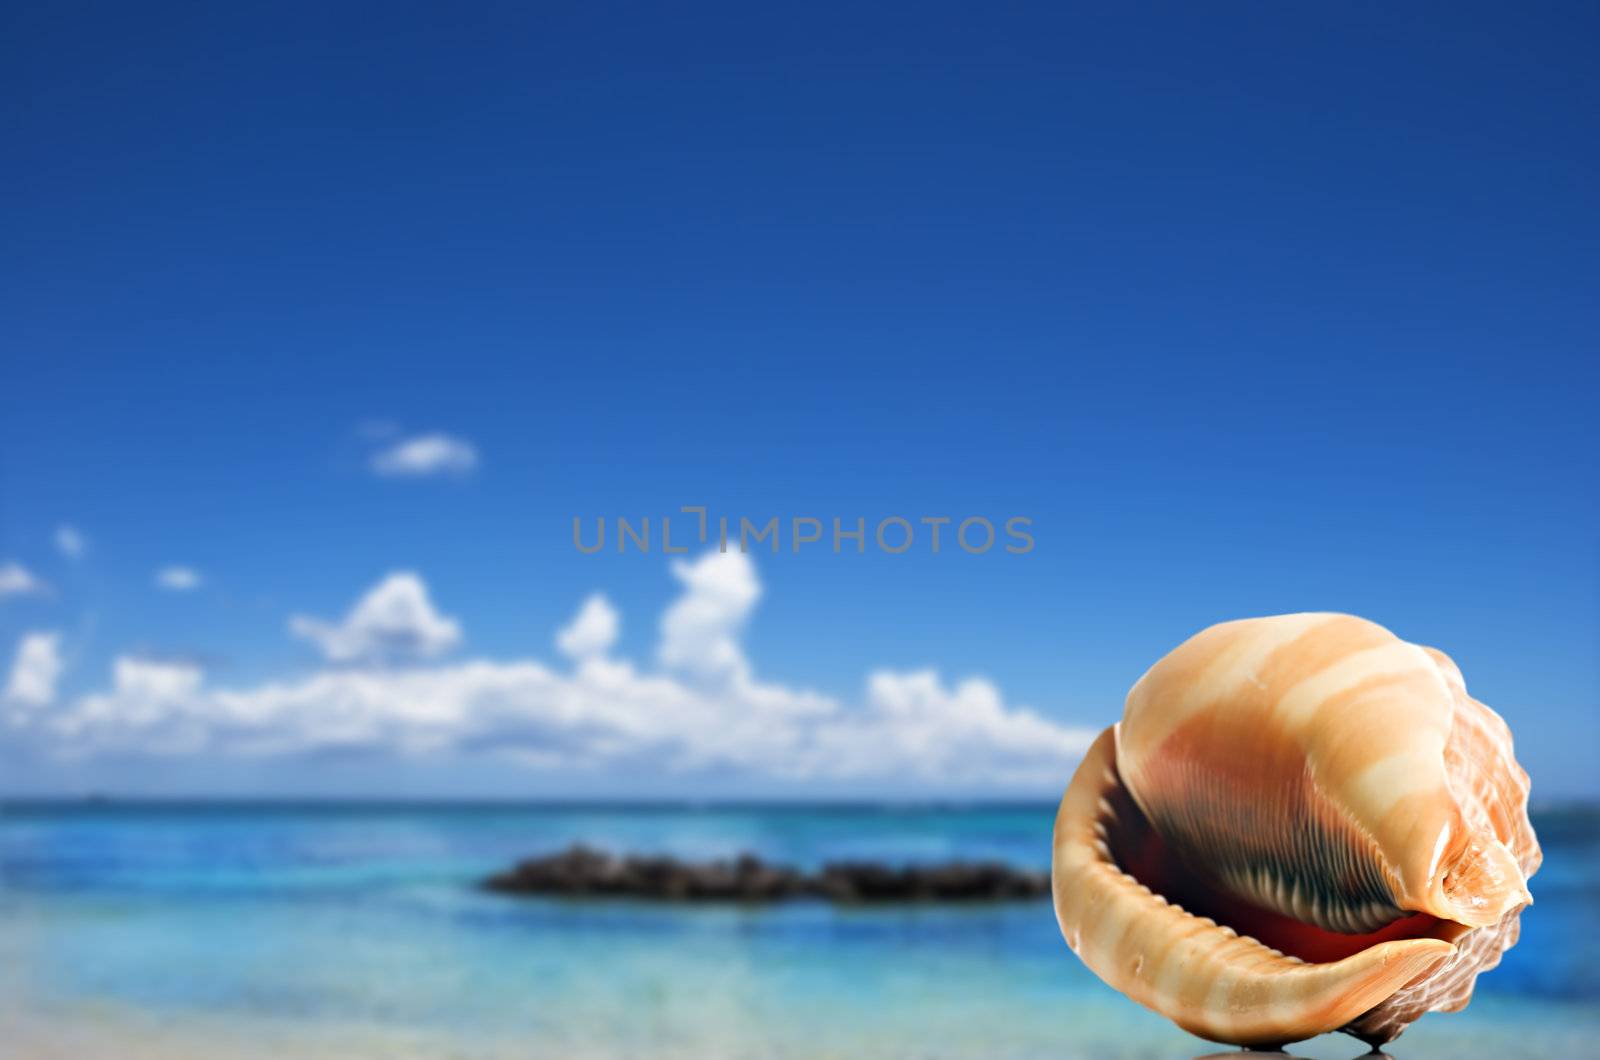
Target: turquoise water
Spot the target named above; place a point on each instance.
(216, 922)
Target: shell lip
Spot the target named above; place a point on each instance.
(1483, 884)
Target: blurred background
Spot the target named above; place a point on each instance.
(325, 324)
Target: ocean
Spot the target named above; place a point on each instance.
(230, 930)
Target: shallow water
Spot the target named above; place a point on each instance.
(222, 930)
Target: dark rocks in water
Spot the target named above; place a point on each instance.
(581, 871)
(954, 882)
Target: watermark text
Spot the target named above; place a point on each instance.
(894, 534)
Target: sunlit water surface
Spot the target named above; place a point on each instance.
(219, 931)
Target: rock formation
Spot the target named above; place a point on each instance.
(581, 871)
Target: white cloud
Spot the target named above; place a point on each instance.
(426, 454)
(963, 733)
(704, 710)
(17, 580)
(394, 622)
(178, 579)
(156, 681)
(700, 631)
(70, 541)
(34, 671)
(152, 706)
(592, 631)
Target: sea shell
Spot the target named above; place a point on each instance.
(1302, 824)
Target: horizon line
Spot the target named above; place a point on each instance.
(776, 802)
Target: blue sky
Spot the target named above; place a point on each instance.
(1249, 310)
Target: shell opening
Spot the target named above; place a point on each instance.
(1254, 905)
(1224, 981)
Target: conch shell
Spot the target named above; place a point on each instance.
(1302, 824)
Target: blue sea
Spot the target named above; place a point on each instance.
(255, 930)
